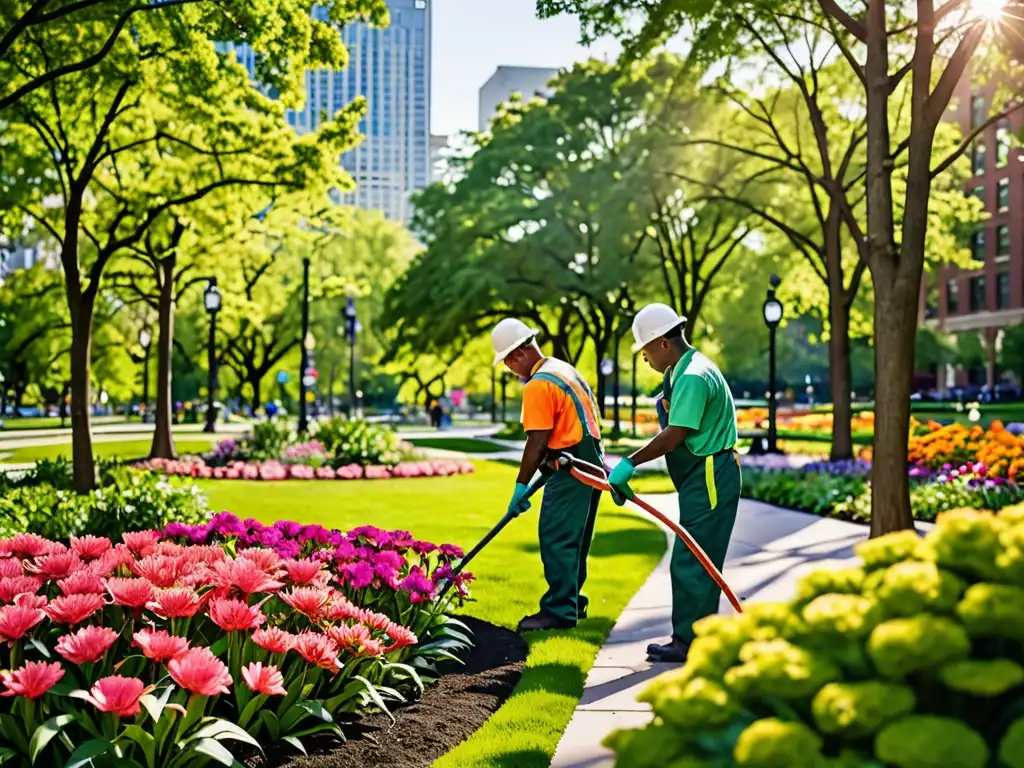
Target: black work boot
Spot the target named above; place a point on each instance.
(543, 620)
(672, 652)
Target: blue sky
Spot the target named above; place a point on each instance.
(470, 43)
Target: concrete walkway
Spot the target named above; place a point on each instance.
(771, 549)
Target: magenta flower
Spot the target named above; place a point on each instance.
(419, 587)
(359, 575)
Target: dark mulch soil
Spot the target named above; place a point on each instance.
(449, 712)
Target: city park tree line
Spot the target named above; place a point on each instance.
(810, 135)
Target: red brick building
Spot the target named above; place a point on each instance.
(991, 297)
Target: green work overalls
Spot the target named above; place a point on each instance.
(709, 496)
(568, 512)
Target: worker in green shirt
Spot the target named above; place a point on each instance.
(698, 445)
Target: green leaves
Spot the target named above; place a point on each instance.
(45, 733)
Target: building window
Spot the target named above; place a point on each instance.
(978, 302)
(1002, 242)
(1003, 290)
(1003, 196)
(421, 5)
(977, 111)
(952, 297)
(978, 158)
(979, 194)
(978, 245)
(1002, 143)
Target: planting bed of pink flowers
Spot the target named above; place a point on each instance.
(196, 467)
(197, 644)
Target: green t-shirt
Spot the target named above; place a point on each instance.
(702, 403)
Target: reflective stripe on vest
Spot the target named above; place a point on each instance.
(581, 396)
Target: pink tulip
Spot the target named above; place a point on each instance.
(86, 645)
(199, 671)
(274, 639)
(119, 695)
(235, 615)
(32, 680)
(159, 645)
(264, 679)
(16, 620)
(131, 593)
(73, 609)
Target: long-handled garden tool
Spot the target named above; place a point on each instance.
(508, 518)
(595, 477)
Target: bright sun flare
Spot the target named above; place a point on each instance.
(989, 9)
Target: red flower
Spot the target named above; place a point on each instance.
(57, 566)
(341, 609)
(234, 615)
(13, 586)
(141, 542)
(266, 559)
(317, 649)
(309, 601)
(131, 593)
(29, 544)
(90, 547)
(16, 620)
(176, 603)
(73, 609)
(10, 568)
(117, 694)
(120, 557)
(266, 680)
(245, 575)
(274, 639)
(83, 582)
(199, 671)
(305, 571)
(400, 637)
(159, 645)
(86, 645)
(32, 680)
(356, 640)
(373, 620)
(161, 570)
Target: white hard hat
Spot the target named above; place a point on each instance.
(508, 336)
(652, 322)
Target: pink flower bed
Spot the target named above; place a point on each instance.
(152, 652)
(196, 467)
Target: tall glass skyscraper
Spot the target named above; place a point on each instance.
(391, 68)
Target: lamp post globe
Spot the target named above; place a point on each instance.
(773, 312)
(145, 339)
(211, 300)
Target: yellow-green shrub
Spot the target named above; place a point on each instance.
(914, 659)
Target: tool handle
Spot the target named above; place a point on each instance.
(508, 518)
(586, 474)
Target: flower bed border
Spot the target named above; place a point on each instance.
(196, 468)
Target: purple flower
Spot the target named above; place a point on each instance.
(315, 533)
(443, 573)
(450, 550)
(227, 524)
(254, 525)
(368, 532)
(200, 533)
(423, 547)
(401, 539)
(271, 537)
(345, 552)
(288, 528)
(359, 575)
(365, 553)
(419, 587)
(388, 559)
(288, 549)
(174, 530)
(386, 574)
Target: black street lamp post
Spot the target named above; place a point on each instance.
(636, 356)
(494, 395)
(304, 355)
(211, 299)
(351, 330)
(772, 317)
(504, 398)
(145, 339)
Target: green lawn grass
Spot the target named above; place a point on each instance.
(14, 423)
(525, 731)
(125, 449)
(459, 444)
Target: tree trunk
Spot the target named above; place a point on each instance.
(840, 379)
(84, 469)
(163, 436)
(257, 399)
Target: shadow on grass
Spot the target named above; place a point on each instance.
(520, 758)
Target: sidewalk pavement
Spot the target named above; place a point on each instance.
(771, 549)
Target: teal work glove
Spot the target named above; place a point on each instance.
(519, 504)
(619, 479)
